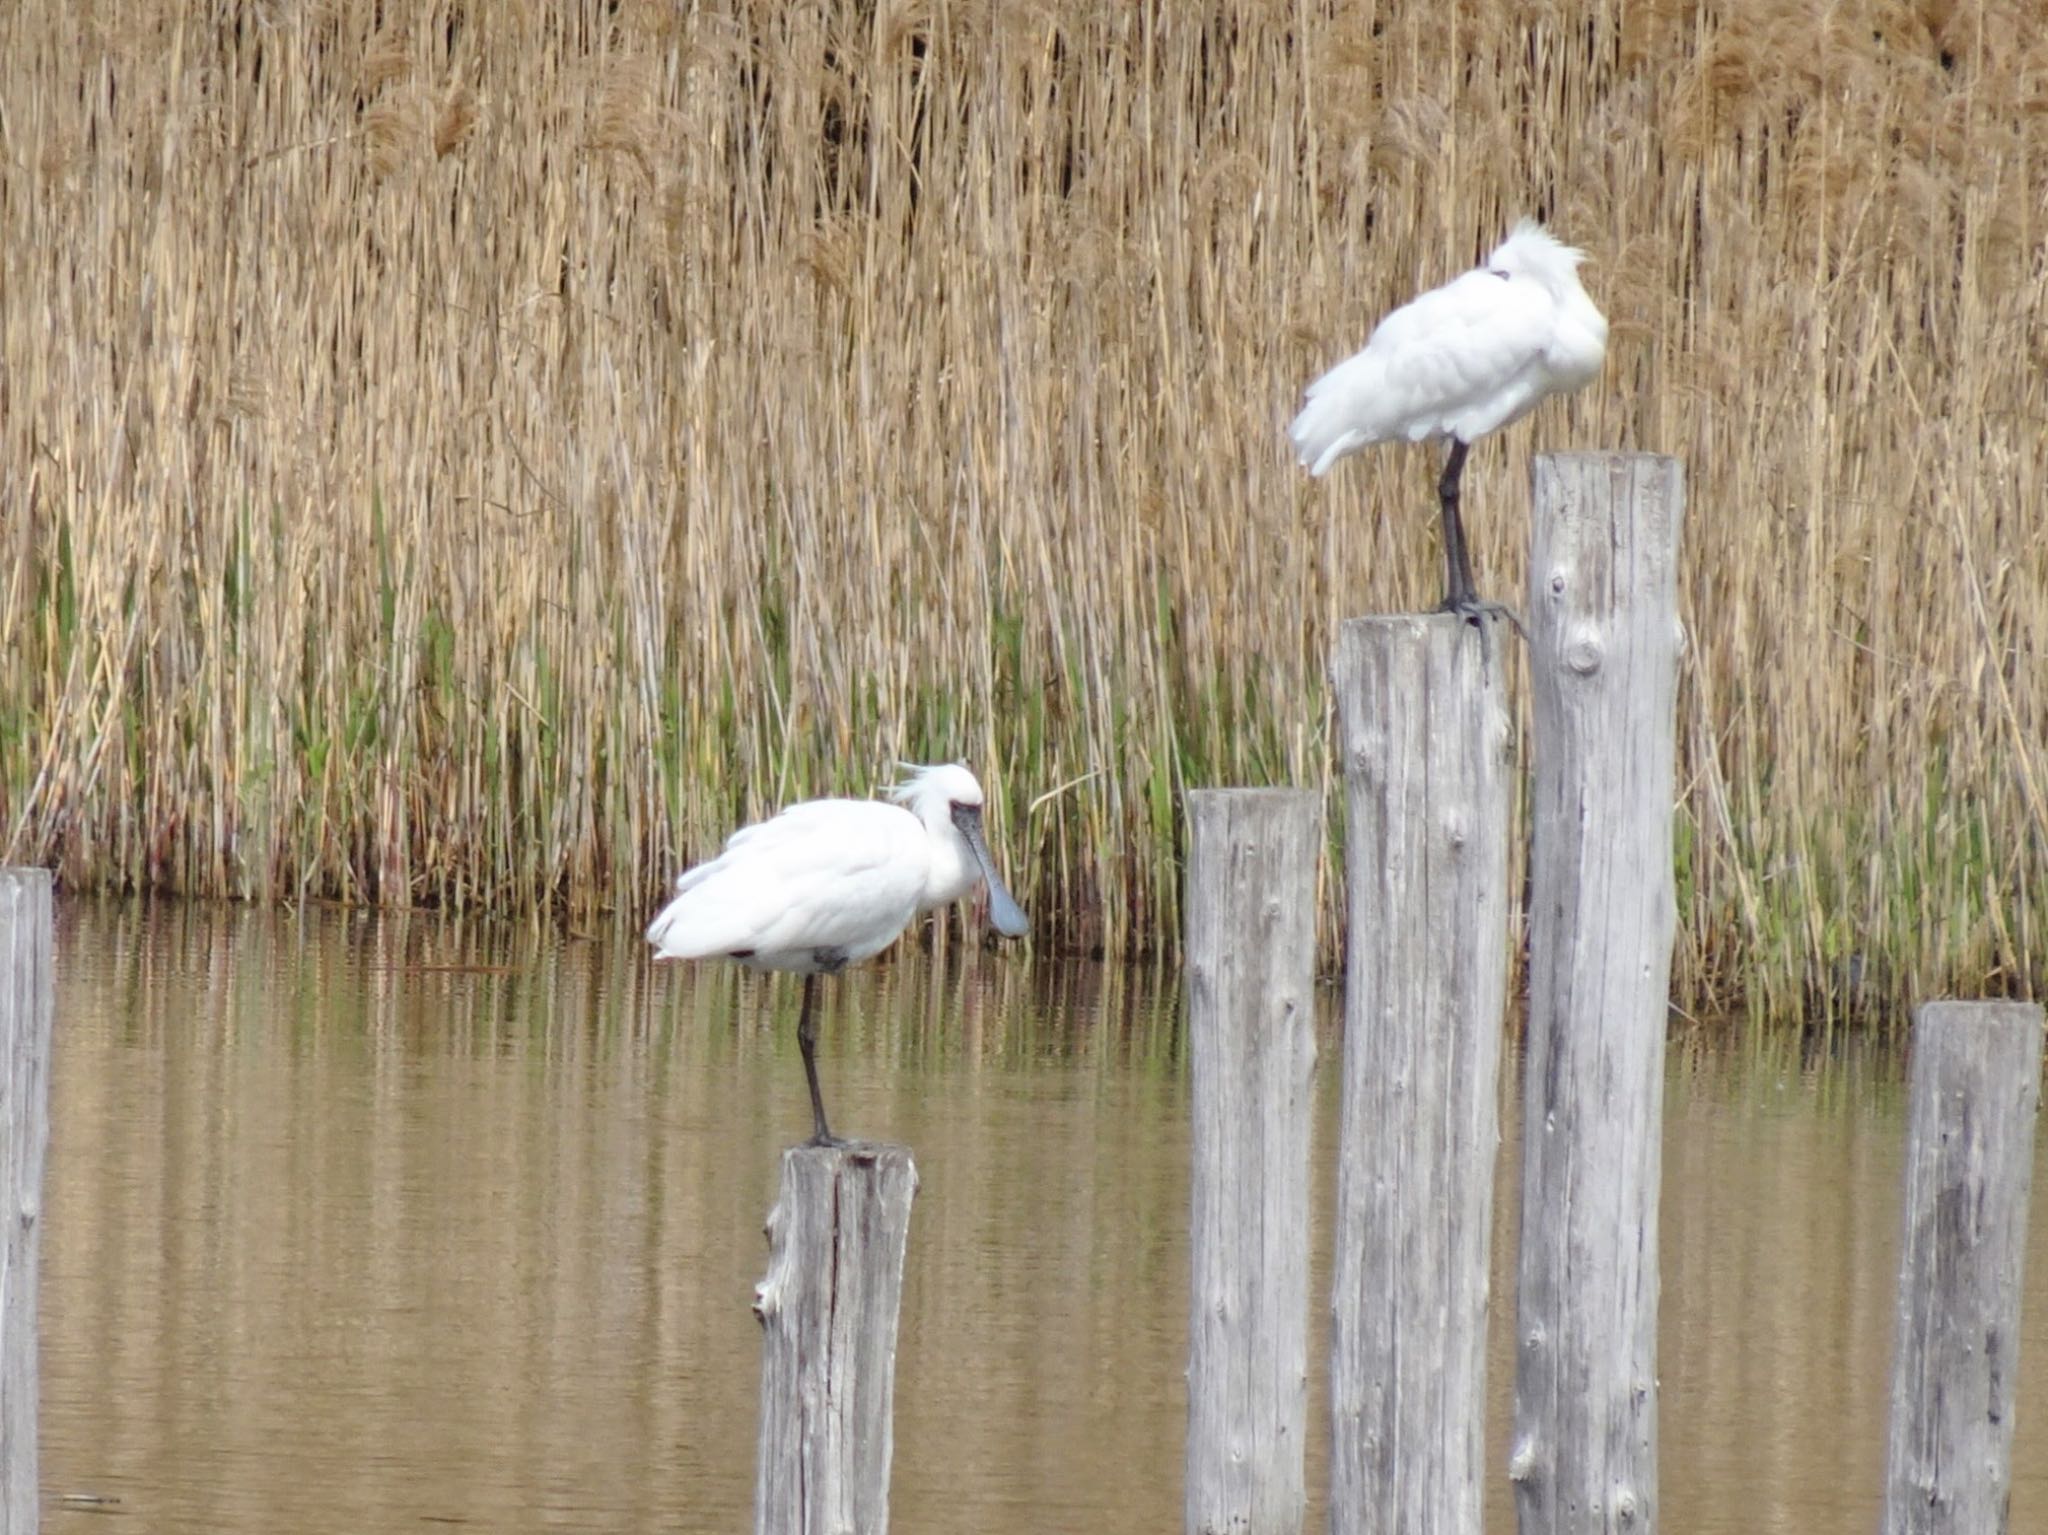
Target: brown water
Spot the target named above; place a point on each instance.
(343, 1237)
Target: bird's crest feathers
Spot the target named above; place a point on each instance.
(938, 783)
(1531, 248)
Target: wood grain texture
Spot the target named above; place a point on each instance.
(828, 1310)
(27, 1003)
(1604, 645)
(1976, 1089)
(1251, 918)
(1421, 707)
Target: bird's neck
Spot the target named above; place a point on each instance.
(952, 867)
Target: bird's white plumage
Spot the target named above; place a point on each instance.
(1464, 359)
(830, 882)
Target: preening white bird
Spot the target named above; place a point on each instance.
(830, 882)
(1461, 361)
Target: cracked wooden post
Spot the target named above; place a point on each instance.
(1423, 726)
(1969, 1169)
(828, 1309)
(1251, 938)
(1603, 660)
(27, 1001)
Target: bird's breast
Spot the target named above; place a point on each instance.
(1579, 346)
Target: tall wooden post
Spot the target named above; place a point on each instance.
(27, 1001)
(1422, 716)
(1969, 1170)
(1251, 920)
(828, 1310)
(1604, 646)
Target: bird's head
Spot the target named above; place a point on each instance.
(946, 794)
(936, 788)
(1530, 250)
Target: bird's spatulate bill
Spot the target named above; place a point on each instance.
(1003, 911)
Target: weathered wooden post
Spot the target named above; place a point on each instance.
(1603, 658)
(1422, 718)
(27, 1000)
(828, 1309)
(1969, 1168)
(1251, 920)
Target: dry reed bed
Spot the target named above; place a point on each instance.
(474, 453)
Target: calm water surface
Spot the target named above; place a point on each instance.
(360, 1224)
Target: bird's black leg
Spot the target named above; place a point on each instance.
(1460, 595)
(807, 1042)
(1458, 590)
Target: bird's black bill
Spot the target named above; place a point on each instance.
(1003, 910)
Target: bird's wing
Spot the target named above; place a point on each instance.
(1460, 360)
(826, 874)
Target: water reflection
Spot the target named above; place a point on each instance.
(358, 1224)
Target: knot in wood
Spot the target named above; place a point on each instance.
(1626, 1505)
(1583, 655)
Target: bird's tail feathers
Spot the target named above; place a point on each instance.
(690, 927)
(661, 929)
(1323, 433)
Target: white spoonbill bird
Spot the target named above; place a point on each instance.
(830, 882)
(1459, 362)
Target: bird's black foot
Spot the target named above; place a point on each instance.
(1472, 609)
(827, 1139)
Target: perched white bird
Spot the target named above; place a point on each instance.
(830, 882)
(1459, 362)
